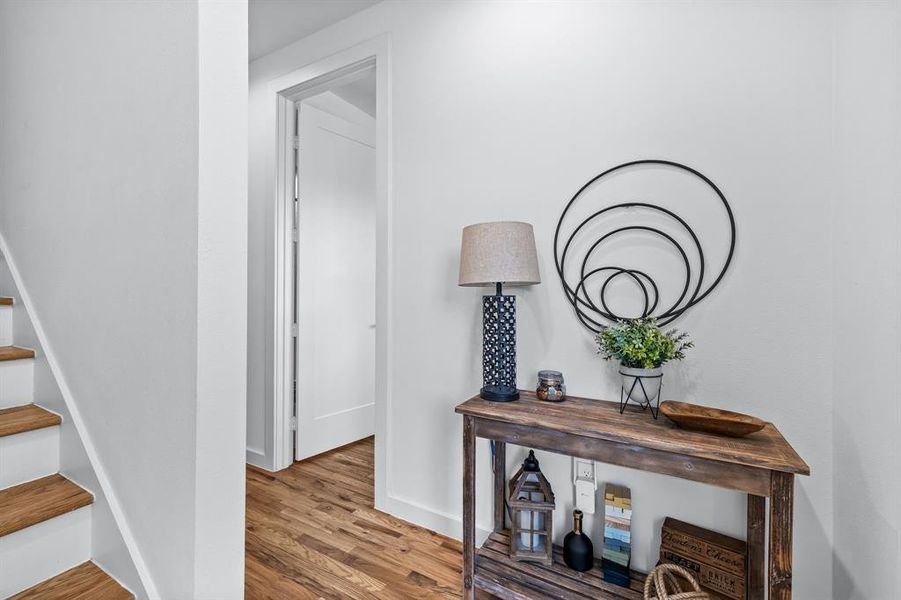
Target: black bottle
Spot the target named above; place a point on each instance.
(578, 553)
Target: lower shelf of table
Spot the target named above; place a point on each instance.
(497, 573)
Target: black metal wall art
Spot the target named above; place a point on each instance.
(594, 312)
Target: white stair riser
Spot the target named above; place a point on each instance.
(41, 551)
(6, 325)
(16, 382)
(28, 456)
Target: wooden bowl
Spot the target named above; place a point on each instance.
(710, 420)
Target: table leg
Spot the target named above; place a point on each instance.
(500, 485)
(756, 569)
(782, 492)
(469, 507)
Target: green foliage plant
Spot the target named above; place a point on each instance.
(641, 344)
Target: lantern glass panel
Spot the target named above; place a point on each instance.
(532, 504)
(532, 539)
(531, 535)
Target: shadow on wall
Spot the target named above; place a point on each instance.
(813, 538)
(860, 512)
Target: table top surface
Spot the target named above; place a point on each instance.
(601, 420)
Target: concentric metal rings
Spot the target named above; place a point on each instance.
(595, 313)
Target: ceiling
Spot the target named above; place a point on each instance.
(360, 92)
(276, 23)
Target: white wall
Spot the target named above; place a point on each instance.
(502, 110)
(221, 301)
(108, 208)
(867, 317)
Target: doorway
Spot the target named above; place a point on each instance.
(345, 75)
(335, 267)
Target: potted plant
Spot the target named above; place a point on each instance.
(642, 348)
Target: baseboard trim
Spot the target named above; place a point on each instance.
(258, 459)
(438, 521)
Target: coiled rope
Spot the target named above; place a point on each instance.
(669, 582)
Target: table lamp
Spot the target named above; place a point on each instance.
(496, 254)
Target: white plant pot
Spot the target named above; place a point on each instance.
(641, 385)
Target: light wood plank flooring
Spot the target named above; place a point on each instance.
(312, 532)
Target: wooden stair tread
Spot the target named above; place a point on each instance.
(15, 353)
(20, 419)
(87, 581)
(37, 501)
(6, 301)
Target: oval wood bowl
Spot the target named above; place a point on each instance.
(710, 420)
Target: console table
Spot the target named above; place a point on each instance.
(762, 465)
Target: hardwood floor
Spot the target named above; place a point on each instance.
(312, 532)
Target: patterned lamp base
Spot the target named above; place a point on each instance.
(499, 348)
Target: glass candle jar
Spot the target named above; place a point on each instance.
(550, 386)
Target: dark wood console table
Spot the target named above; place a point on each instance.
(762, 465)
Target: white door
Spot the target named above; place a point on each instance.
(335, 277)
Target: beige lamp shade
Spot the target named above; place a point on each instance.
(499, 252)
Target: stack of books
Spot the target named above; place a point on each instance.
(617, 534)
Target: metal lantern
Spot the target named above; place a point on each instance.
(531, 503)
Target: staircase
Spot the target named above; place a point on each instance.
(45, 519)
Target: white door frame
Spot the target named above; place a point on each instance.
(285, 91)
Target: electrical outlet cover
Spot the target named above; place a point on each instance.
(584, 469)
(586, 485)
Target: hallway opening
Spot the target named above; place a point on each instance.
(313, 532)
